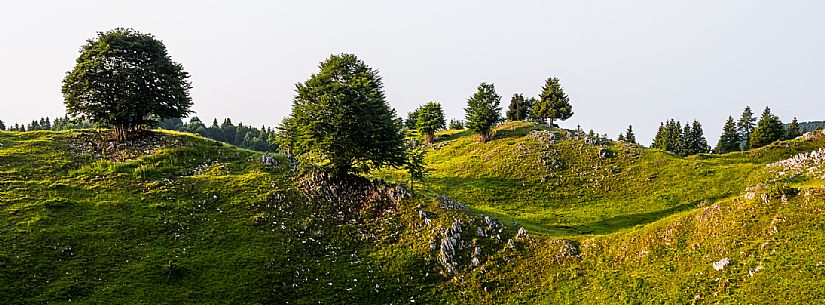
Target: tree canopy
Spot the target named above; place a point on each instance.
(122, 77)
(430, 119)
(483, 111)
(553, 103)
(341, 122)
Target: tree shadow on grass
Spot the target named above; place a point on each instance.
(613, 224)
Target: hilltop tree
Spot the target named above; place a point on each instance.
(341, 122)
(630, 137)
(430, 119)
(553, 103)
(2, 125)
(519, 108)
(729, 141)
(483, 111)
(122, 77)
(745, 127)
(793, 129)
(412, 119)
(697, 142)
(768, 130)
(456, 124)
(669, 137)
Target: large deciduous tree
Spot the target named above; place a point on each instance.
(553, 103)
(430, 119)
(122, 77)
(341, 122)
(483, 111)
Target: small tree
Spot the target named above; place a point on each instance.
(630, 137)
(412, 119)
(341, 122)
(768, 130)
(519, 108)
(745, 127)
(483, 111)
(456, 124)
(415, 165)
(553, 103)
(2, 125)
(122, 77)
(793, 130)
(729, 141)
(698, 143)
(430, 119)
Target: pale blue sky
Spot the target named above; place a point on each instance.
(621, 62)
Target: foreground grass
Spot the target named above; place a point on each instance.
(177, 218)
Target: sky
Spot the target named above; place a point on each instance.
(621, 62)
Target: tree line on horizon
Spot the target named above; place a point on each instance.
(340, 122)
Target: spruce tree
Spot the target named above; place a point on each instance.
(793, 130)
(483, 111)
(699, 144)
(621, 138)
(630, 137)
(412, 118)
(729, 141)
(456, 124)
(768, 130)
(2, 126)
(660, 140)
(687, 141)
(553, 103)
(430, 119)
(519, 108)
(745, 127)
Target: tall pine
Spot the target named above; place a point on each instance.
(553, 103)
(745, 127)
(729, 141)
(630, 137)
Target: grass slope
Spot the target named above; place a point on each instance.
(177, 218)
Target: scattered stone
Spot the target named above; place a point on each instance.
(268, 160)
(721, 264)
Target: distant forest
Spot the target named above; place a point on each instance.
(259, 139)
(810, 126)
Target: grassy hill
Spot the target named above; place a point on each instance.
(177, 218)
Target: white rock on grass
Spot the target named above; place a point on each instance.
(721, 264)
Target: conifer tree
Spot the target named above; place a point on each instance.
(412, 118)
(519, 108)
(687, 141)
(745, 127)
(621, 138)
(630, 137)
(729, 141)
(660, 140)
(699, 144)
(793, 129)
(553, 103)
(768, 130)
(483, 111)
(430, 119)
(456, 124)
(2, 126)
